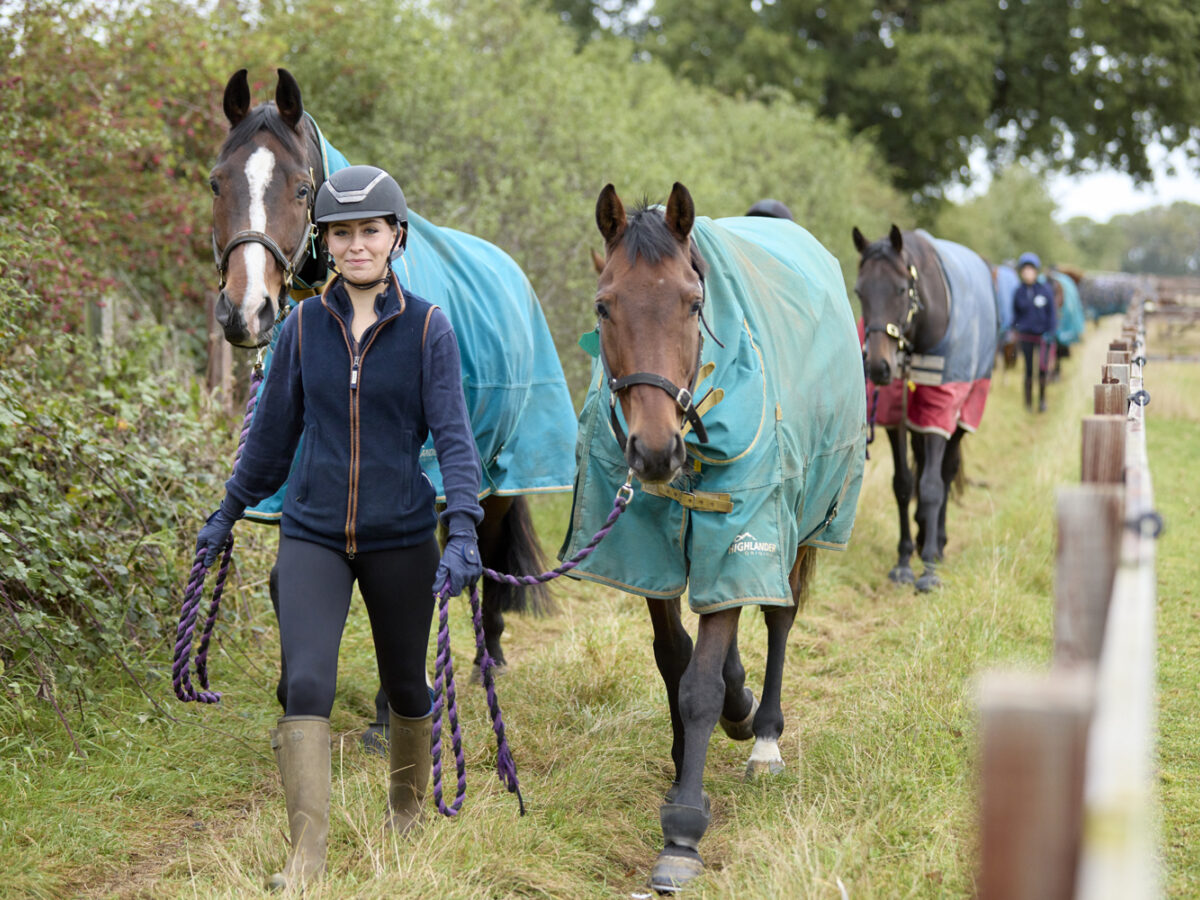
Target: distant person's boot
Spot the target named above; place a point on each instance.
(409, 765)
(1042, 392)
(301, 745)
(1028, 393)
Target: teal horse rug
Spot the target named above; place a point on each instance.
(949, 384)
(783, 463)
(517, 397)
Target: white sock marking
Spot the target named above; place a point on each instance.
(765, 750)
(259, 168)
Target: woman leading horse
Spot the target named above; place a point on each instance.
(364, 372)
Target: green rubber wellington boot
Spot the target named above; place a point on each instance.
(301, 745)
(409, 767)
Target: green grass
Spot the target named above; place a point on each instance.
(879, 792)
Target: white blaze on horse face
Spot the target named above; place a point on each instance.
(259, 168)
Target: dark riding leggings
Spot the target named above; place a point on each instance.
(1027, 347)
(314, 598)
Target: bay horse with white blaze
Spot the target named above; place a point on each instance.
(264, 184)
(930, 318)
(740, 486)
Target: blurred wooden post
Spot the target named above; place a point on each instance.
(1103, 450)
(1110, 399)
(1034, 740)
(220, 358)
(1118, 345)
(1089, 532)
(1118, 357)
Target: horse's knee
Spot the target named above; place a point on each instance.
(701, 695)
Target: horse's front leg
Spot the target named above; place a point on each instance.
(739, 708)
(495, 596)
(765, 758)
(672, 653)
(902, 486)
(931, 493)
(685, 816)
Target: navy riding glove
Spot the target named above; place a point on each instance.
(216, 530)
(460, 564)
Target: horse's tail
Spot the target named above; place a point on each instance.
(521, 554)
(960, 482)
(802, 574)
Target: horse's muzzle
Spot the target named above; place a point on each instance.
(655, 463)
(237, 332)
(879, 371)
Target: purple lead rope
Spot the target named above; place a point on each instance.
(443, 682)
(192, 595)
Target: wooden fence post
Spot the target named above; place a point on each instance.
(1089, 532)
(220, 358)
(1114, 372)
(1103, 450)
(1034, 740)
(1110, 399)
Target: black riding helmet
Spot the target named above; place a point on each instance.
(361, 192)
(772, 209)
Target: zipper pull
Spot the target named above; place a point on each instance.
(354, 373)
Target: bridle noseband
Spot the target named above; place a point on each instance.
(901, 332)
(683, 397)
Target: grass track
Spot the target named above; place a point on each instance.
(879, 791)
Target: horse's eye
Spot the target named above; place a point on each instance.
(697, 306)
(302, 192)
(601, 311)
(212, 183)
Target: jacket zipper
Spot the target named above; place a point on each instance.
(356, 359)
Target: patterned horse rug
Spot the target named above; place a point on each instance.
(517, 397)
(784, 461)
(949, 384)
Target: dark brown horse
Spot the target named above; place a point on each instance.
(264, 183)
(906, 305)
(649, 304)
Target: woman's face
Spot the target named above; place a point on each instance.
(1028, 274)
(361, 247)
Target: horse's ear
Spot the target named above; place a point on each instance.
(598, 262)
(237, 97)
(681, 212)
(896, 238)
(860, 242)
(610, 215)
(287, 98)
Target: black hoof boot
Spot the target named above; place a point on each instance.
(901, 575)
(743, 729)
(928, 581)
(679, 862)
(375, 739)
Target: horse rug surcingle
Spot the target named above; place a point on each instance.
(786, 441)
(950, 382)
(517, 397)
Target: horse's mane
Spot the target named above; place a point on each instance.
(646, 235)
(264, 117)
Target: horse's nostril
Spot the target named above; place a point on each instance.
(266, 316)
(224, 311)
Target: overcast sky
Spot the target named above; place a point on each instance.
(1105, 194)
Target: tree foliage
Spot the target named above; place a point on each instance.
(1065, 84)
(1015, 214)
(1164, 240)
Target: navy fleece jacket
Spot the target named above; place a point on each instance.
(1033, 309)
(364, 411)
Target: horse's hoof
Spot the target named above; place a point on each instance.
(744, 729)
(375, 739)
(901, 575)
(674, 869)
(477, 672)
(927, 582)
(765, 759)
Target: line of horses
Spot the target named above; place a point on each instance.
(748, 446)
